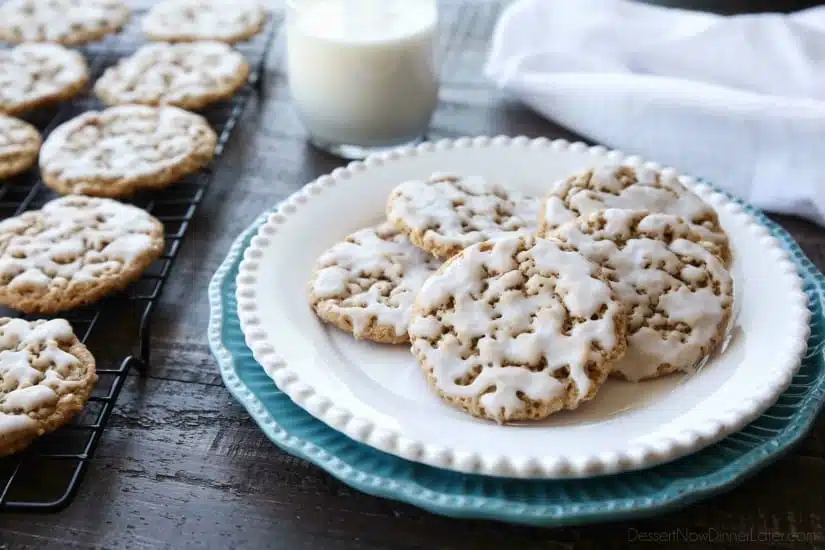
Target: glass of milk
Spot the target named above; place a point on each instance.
(362, 73)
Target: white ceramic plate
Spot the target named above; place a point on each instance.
(376, 394)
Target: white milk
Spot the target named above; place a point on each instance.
(362, 72)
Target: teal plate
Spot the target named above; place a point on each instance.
(533, 502)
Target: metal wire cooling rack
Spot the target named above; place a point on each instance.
(66, 453)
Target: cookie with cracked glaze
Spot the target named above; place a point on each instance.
(677, 293)
(517, 329)
(74, 251)
(626, 187)
(19, 145)
(190, 75)
(37, 75)
(445, 213)
(46, 378)
(366, 284)
(68, 22)
(196, 20)
(125, 149)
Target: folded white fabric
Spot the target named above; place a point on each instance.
(739, 101)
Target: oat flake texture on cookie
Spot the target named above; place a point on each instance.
(190, 76)
(124, 149)
(193, 20)
(19, 144)
(69, 22)
(445, 213)
(366, 283)
(74, 251)
(46, 377)
(37, 75)
(678, 295)
(625, 187)
(516, 329)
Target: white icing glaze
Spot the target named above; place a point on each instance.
(504, 305)
(172, 73)
(20, 333)
(57, 20)
(459, 210)
(11, 423)
(621, 187)
(72, 240)
(658, 284)
(34, 371)
(127, 141)
(17, 138)
(203, 19)
(32, 72)
(373, 274)
(29, 398)
(16, 370)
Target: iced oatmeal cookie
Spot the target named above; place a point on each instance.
(625, 187)
(517, 329)
(74, 251)
(445, 213)
(19, 144)
(678, 295)
(125, 149)
(38, 75)
(189, 76)
(46, 377)
(195, 20)
(366, 283)
(69, 22)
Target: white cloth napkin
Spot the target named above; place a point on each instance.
(739, 101)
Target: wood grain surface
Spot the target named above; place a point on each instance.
(183, 466)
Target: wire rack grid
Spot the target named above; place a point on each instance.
(66, 453)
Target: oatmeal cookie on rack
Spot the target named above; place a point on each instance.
(121, 150)
(189, 76)
(74, 251)
(46, 377)
(38, 75)
(19, 145)
(68, 22)
(195, 20)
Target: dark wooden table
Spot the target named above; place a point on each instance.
(183, 466)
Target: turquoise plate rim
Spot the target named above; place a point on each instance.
(234, 359)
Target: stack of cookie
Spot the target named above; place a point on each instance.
(85, 245)
(617, 271)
